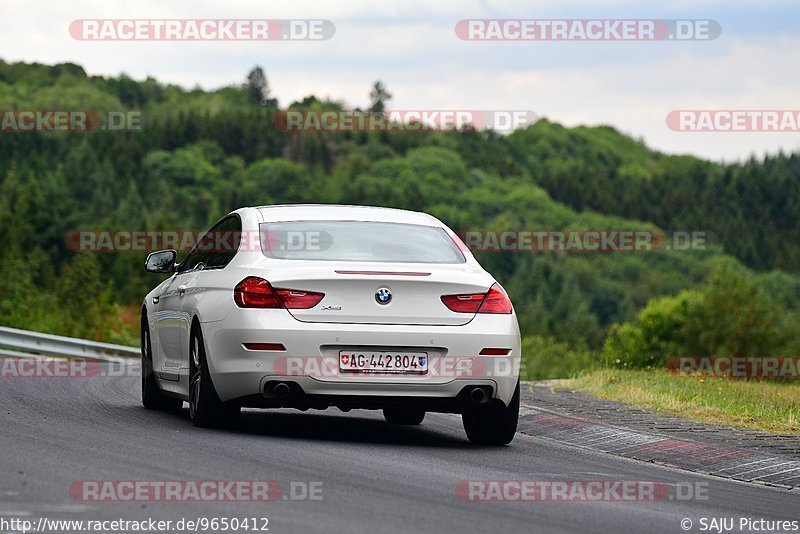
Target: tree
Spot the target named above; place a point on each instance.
(379, 96)
(258, 88)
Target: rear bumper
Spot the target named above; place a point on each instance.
(455, 398)
(311, 359)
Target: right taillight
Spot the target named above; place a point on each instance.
(496, 301)
(255, 292)
(493, 301)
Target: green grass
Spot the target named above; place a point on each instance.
(758, 405)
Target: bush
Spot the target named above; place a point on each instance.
(545, 358)
(732, 316)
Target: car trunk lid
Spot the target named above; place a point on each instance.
(394, 294)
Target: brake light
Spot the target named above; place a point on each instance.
(464, 303)
(254, 292)
(496, 301)
(295, 299)
(493, 301)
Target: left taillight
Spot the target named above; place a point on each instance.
(493, 301)
(255, 292)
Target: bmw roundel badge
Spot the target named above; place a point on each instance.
(383, 296)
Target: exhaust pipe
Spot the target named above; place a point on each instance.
(281, 390)
(478, 395)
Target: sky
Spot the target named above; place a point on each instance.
(412, 46)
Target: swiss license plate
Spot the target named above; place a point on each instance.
(383, 362)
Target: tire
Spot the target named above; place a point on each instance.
(152, 397)
(205, 408)
(403, 416)
(494, 424)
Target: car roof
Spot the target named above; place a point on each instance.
(336, 212)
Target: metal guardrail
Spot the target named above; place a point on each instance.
(28, 343)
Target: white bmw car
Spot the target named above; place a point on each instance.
(317, 306)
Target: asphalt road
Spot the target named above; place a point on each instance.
(375, 477)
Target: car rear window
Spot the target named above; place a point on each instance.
(358, 241)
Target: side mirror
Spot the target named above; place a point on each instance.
(162, 261)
